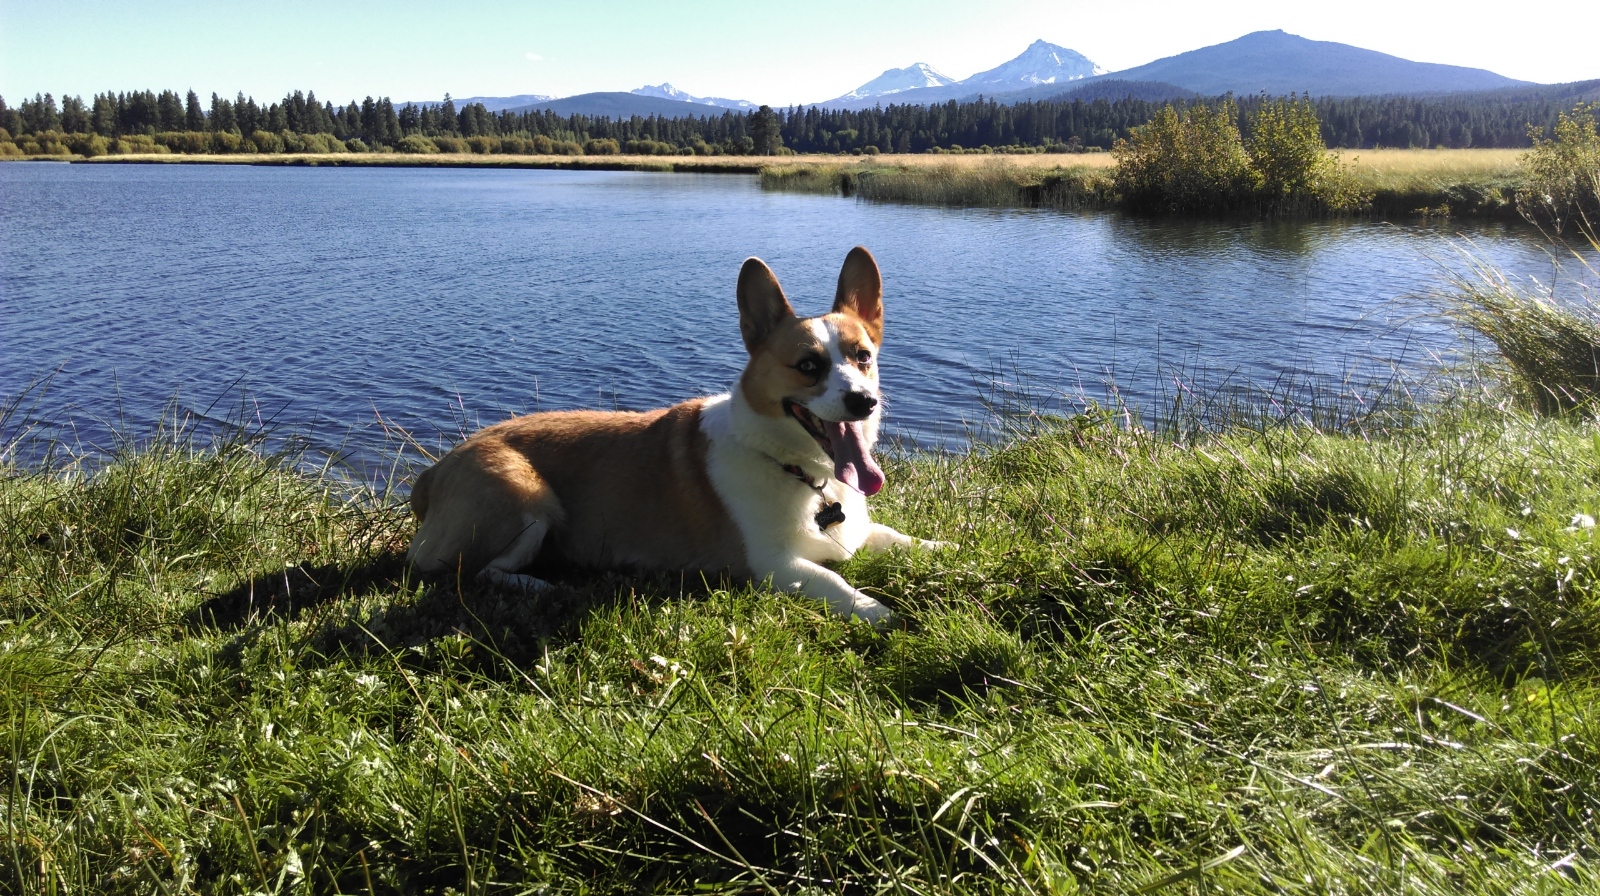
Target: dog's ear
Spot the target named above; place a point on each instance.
(861, 291)
(761, 303)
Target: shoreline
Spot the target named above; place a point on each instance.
(1405, 184)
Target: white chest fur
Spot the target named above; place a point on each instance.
(775, 511)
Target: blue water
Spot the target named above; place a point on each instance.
(437, 300)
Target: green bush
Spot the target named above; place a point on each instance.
(1185, 161)
(482, 145)
(226, 142)
(601, 147)
(187, 142)
(90, 145)
(267, 142)
(1195, 161)
(9, 150)
(1564, 172)
(450, 144)
(418, 145)
(355, 144)
(1293, 172)
(649, 148)
(543, 145)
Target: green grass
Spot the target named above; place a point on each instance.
(1266, 660)
(1546, 335)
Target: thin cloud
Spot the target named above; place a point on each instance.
(533, 57)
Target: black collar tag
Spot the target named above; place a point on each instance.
(831, 514)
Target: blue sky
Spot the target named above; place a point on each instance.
(777, 53)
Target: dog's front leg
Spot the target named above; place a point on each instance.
(883, 538)
(818, 581)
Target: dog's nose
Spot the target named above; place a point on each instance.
(859, 404)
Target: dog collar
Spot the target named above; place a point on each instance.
(795, 471)
(832, 512)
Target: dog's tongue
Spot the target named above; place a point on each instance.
(852, 463)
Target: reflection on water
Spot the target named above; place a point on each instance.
(440, 299)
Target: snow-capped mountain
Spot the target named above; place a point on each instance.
(666, 91)
(1041, 63)
(895, 80)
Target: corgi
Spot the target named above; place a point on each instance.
(768, 481)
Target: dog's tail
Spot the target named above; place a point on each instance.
(419, 493)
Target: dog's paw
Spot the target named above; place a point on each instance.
(928, 545)
(874, 614)
(512, 581)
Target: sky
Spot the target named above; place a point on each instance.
(777, 53)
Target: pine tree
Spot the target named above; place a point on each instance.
(193, 118)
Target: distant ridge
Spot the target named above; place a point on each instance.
(1109, 88)
(1279, 63)
(619, 104)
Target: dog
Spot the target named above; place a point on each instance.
(767, 481)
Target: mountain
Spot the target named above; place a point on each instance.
(896, 80)
(492, 103)
(1040, 63)
(1109, 89)
(666, 91)
(1278, 63)
(622, 105)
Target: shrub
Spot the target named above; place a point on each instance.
(321, 143)
(482, 145)
(567, 148)
(1188, 161)
(1291, 166)
(601, 147)
(1195, 161)
(515, 146)
(187, 142)
(1564, 172)
(449, 144)
(418, 145)
(267, 142)
(354, 144)
(869, 150)
(92, 145)
(543, 145)
(649, 148)
(136, 144)
(226, 141)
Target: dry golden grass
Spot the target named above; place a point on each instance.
(1394, 167)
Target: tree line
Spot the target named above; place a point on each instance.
(1355, 123)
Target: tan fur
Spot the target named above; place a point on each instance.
(615, 489)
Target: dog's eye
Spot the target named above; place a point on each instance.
(809, 366)
(863, 357)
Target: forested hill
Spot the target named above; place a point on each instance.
(1491, 119)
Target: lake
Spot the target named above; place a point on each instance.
(323, 299)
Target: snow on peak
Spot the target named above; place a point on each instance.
(895, 80)
(668, 92)
(1041, 63)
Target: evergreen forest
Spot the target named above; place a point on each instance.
(300, 122)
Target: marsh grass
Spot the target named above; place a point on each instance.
(1260, 657)
(1546, 336)
(959, 181)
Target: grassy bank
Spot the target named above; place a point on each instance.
(1270, 659)
(1403, 183)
